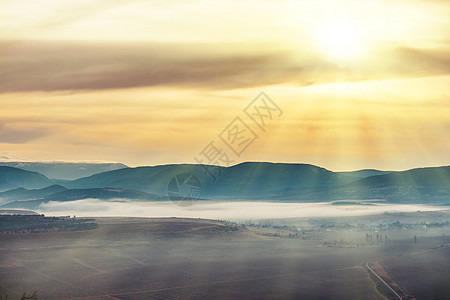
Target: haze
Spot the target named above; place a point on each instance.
(235, 211)
(151, 82)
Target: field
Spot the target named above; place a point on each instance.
(171, 258)
(422, 273)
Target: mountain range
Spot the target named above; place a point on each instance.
(245, 181)
(12, 178)
(64, 170)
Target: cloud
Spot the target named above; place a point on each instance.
(6, 156)
(51, 66)
(71, 66)
(386, 124)
(18, 135)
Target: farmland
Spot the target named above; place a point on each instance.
(172, 258)
(422, 273)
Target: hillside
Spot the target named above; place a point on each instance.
(245, 181)
(79, 194)
(26, 194)
(12, 178)
(279, 181)
(364, 173)
(242, 180)
(422, 185)
(64, 170)
(420, 177)
(147, 179)
(259, 179)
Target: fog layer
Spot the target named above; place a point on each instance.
(220, 210)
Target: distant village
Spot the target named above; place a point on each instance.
(365, 231)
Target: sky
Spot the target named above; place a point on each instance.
(347, 84)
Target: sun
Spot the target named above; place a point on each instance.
(340, 39)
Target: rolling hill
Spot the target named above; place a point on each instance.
(364, 173)
(279, 181)
(12, 178)
(245, 181)
(259, 179)
(112, 194)
(64, 170)
(147, 179)
(421, 185)
(26, 194)
(421, 177)
(242, 180)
